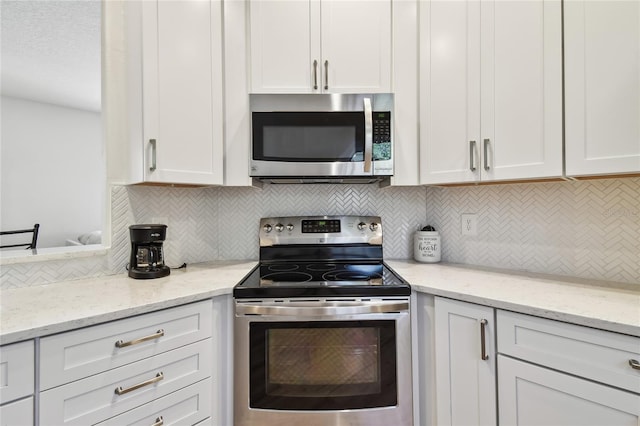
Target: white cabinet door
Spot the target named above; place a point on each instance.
(17, 413)
(465, 363)
(521, 89)
(176, 125)
(602, 87)
(320, 46)
(533, 395)
(283, 49)
(17, 370)
(450, 91)
(491, 99)
(356, 46)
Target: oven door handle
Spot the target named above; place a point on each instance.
(322, 309)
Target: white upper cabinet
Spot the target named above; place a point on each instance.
(320, 46)
(491, 91)
(602, 87)
(176, 91)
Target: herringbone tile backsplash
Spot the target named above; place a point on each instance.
(587, 229)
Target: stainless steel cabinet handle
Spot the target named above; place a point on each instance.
(315, 74)
(326, 75)
(368, 134)
(486, 154)
(483, 343)
(153, 154)
(120, 391)
(159, 421)
(156, 335)
(472, 157)
(634, 364)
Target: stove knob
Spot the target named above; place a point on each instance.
(289, 227)
(267, 228)
(362, 226)
(279, 227)
(373, 226)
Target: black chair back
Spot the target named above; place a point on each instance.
(27, 246)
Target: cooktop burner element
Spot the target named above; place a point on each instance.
(321, 256)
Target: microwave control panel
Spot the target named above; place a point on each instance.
(381, 135)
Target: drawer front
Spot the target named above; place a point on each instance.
(17, 413)
(80, 353)
(16, 371)
(187, 406)
(94, 399)
(598, 355)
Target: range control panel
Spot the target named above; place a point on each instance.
(293, 230)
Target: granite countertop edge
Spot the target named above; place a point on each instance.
(39, 311)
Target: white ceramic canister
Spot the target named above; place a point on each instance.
(426, 245)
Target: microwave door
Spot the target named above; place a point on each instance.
(311, 144)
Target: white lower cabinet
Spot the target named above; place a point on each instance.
(17, 373)
(151, 369)
(554, 373)
(534, 395)
(17, 413)
(465, 363)
(183, 407)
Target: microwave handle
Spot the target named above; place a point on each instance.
(368, 134)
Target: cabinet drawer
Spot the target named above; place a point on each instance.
(187, 406)
(95, 399)
(16, 371)
(80, 353)
(18, 413)
(594, 354)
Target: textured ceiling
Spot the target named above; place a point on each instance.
(50, 51)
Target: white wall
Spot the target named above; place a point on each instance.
(53, 170)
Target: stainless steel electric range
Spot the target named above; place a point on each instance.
(322, 327)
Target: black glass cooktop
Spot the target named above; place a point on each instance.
(307, 279)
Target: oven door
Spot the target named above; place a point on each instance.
(323, 363)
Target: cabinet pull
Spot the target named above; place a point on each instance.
(120, 391)
(159, 421)
(315, 74)
(472, 157)
(156, 335)
(486, 154)
(326, 75)
(634, 364)
(483, 343)
(153, 154)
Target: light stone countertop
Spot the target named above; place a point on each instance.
(52, 308)
(42, 310)
(598, 304)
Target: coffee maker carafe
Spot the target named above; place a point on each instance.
(147, 258)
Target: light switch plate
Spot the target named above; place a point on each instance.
(469, 224)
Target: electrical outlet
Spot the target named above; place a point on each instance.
(469, 224)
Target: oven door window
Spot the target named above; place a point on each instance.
(323, 365)
(308, 136)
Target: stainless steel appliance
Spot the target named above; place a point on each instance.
(322, 138)
(322, 328)
(147, 257)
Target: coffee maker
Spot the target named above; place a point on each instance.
(147, 259)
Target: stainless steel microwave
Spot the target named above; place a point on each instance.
(322, 138)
